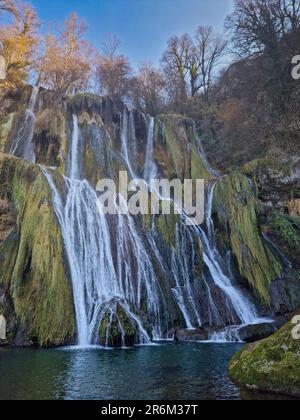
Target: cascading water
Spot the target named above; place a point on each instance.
(243, 307)
(150, 170)
(112, 270)
(103, 280)
(22, 145)
(238, 304)
(124, 140)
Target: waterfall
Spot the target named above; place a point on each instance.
(242, 305)
(106, 273)
(74, 166)
(181, 269)
(124, 140)
(209, 168)
(22, 145)
(150, 169)
(238, 302)
(112, 269)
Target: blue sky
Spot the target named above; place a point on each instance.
(143, 26)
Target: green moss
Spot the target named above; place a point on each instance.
(116, 326)
(179, 155)
(286, 227)
(32, 260)
(166, 225)
(271, 365)
(237, 210)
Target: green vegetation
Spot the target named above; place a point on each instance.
(237, 210)
(271, 365)
(32, 267)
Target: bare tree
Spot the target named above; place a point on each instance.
(176, 66)
(210, 48)
(258, 26)
(148, 89)
(113, 70)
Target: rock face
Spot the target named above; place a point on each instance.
(35, 294)
(158, 259)
(272, 365)
(237, 210)
(285, 294)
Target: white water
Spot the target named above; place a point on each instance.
(209, 168)
(150, 170)
(112, 269)
(74, 163)
(181, 269)
(124, 140)
(106, 272)
(227, 335)
(23, 146)
(245, 309)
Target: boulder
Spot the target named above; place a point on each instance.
(271, 365)
(252, 333)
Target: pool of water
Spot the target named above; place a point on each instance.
(165, 372)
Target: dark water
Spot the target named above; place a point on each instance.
(166, 371)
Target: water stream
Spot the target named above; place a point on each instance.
(22, 145)
(112, 271)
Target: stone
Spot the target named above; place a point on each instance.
(270, 365)
(2, 328)
(285, 295)
(252, 333)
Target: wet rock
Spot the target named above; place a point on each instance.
(252, 333)
(271, 365)
(285, 294)
(199, 334)
(120, 328)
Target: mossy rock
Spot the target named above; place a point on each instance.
(32, 259)
(176, 150)
(116, 328)
(237, 208)
(271, 365)
(284, 230)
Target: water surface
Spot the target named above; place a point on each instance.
(166, 371)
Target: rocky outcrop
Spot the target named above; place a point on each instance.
(35, 294)
(35, 289)
(272, 365)
(236, 210)
(285, 293)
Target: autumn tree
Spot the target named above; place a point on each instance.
(9, 6)
(148, 89)
(19, 41)
(66, 61)
(113, 70)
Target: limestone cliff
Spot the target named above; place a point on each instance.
(35, 281)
